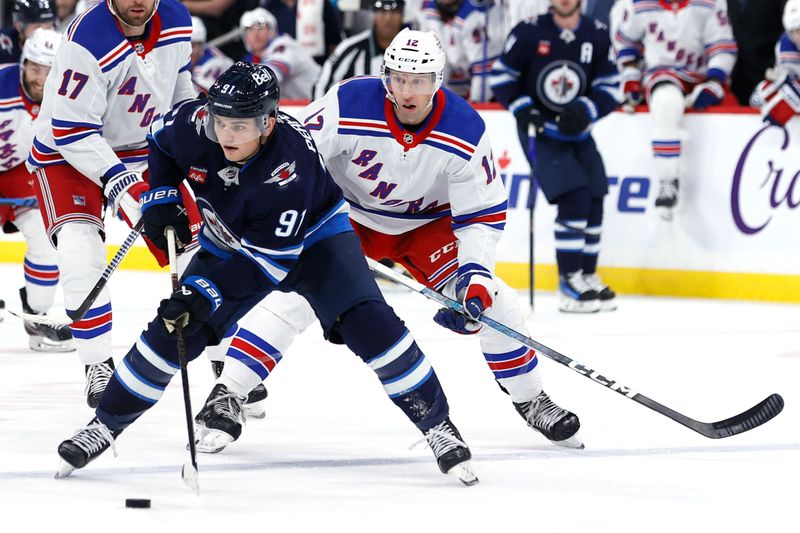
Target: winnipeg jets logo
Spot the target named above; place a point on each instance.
(284, 174)
(559, 84)
(229, 175)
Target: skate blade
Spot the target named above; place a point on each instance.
(582, 307)
(39, 344)
(573, 442)
(64, 469)
(610, 305)
(211, 440)
(465, 474)
(255, 410)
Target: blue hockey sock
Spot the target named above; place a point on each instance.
(594, 230)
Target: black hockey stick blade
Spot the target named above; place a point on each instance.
(757, 415)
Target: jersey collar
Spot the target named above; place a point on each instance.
(142, 47)
(670, 6)
(408, 139)
(31, 106)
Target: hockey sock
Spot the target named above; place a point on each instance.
(41, 270)
(666, 111)
(570, 229)
(374, 333)
(594, 229)
(140, 378)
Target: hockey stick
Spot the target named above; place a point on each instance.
(757, 415)
(189, 470)
(19, 202)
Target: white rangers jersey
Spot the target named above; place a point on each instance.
(687, 40)
(104, 90)
(296, 70)
(17, 113)
(396, 180)
(210, 66)
(787, 56)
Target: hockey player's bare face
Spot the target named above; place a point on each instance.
(566, 8)
(64, 8)
(413, 94)
(33, 77)
(134, 13)
(257, 37)
(197, 52)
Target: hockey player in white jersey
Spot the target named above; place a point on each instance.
(778, 96)
(677, 54)
(296, 70)
(415, 164)
(208, 62)
(21, 88)
(122, 64)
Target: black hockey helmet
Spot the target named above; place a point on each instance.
(244, 90)
(33, 11)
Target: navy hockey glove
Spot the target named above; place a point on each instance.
(576, 116)
(476, 291)
(706, 94)
(191, 307)
(526, 116)
(162, 207)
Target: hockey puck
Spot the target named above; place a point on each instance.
(133, 503)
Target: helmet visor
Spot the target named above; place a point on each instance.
(408, 83)
(232, 131)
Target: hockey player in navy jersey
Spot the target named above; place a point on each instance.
(21, 90)
(556, 78)
(273, 219)
(28, 16)
(414, 161)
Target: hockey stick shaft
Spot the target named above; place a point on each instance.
(189, 470)
(19, 202)
(82, 309)
(753, 417)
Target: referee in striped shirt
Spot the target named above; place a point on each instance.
(362, 54)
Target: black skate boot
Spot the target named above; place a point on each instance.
(97, 377)
(220, 421)
(451, 451)
(575, 295)
(85, 446)
(667, 198)
(607, 297)
(255, 405)
(44, 337)
(557, 424)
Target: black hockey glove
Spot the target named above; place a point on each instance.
(192, 306)
(526, 116)
(576, 116)
(162, 207)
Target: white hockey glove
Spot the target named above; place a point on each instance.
(123, 191)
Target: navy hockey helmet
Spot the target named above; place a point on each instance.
(33, 11)
(244, 90)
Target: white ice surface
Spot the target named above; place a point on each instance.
(332, 454)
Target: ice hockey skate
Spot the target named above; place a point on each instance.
(220, 421)
(557, 424)
(256, 404)
(607, 297)
(84, 447)
(452, 453)
(575, 295)
(667, 198)
(97, 376)
(44, 337)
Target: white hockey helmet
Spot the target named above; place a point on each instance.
(791, 15)
(257, 17)
(41, 47)
(414, 52)
(199, 34)
(113, 10)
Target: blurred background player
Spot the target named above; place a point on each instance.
(415, 164)
(555, 76)
(28, 16)
(21, 89)
(362, 54)
(778, 96)
(682, 53)
(316, 25)
(296, 70)
(208, 62)
(122, 64)
(288, 232)
(66, 12)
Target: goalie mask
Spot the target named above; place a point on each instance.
(240, 103)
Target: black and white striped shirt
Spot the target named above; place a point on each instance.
(357, 56)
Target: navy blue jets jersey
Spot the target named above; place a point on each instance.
(259, 216)
(10, 50)
(551, 67)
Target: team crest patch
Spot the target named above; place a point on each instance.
(543, 49)
(139, 47)
(198, 174)
(408, 138)
(284, 174)
(78, 200)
